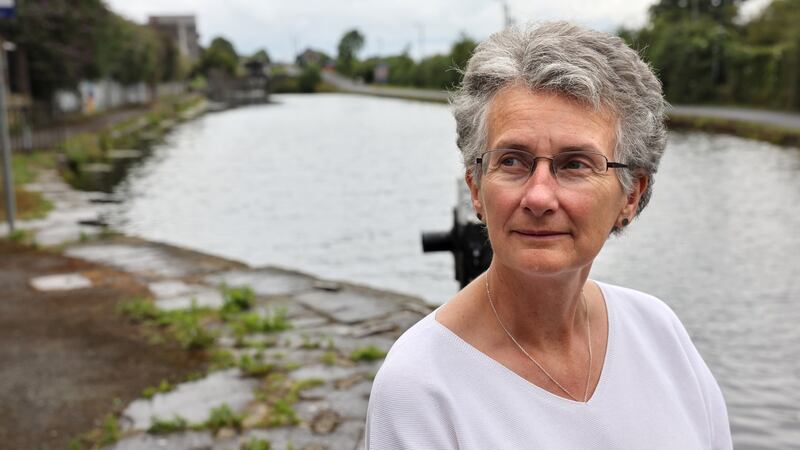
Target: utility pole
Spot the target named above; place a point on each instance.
(421, 36)
(5, 141)
(508, 20)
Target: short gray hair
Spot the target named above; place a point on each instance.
(594, 68)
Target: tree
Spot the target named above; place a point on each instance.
(776, 24)
(350, 44)
(261, 56)
(720, 11)
(219, 55)
(61, 39)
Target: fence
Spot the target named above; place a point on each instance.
(36, 126)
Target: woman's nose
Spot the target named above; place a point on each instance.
(539, 192)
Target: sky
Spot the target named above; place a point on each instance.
(424, 27)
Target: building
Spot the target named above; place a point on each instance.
(183, 32)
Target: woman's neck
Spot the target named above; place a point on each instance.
(545, 312)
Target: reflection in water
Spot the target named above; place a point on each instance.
(342, 186)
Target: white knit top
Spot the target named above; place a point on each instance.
(435, 391)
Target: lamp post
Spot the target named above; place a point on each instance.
(5, 141)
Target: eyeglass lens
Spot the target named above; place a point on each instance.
(516, 166)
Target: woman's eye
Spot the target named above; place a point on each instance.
(576, 164)
(509, 161)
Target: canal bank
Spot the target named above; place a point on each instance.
(163, 347)
(777, 127)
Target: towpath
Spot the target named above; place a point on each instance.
(772, 118)
(293, 368)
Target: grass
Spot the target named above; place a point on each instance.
(131, 133)
(280, 394)
(223, 417)
(369, 353)
(221, 359)
(162, 426)
(109, 432)
(329, 358)
(255, 367)
(256, 444)
(187, 327)
(271, 322)
(751, 130)
(236, 299)
(24, 168)
(163, 387)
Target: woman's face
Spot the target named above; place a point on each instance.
(542, 226)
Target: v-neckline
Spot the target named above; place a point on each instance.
(540, 391)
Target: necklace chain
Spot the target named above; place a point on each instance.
(534, 361)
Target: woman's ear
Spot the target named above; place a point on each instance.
(632, 200)
(474, 190)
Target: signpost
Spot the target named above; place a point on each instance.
(6, 11)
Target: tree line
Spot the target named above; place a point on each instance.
(704, 53)
(66, 41)
(440, 71)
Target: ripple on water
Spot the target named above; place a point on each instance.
(342, 186)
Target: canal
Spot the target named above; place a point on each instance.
(342, 186)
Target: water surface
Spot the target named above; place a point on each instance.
(342, 186)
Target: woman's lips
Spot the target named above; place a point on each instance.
(542, 234)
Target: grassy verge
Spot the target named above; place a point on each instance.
(134, 133)
(25, 166)
(750, 130)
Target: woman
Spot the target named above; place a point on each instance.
(561, 129)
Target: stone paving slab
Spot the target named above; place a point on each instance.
(347, 306)
(192, 440)
(150, 260)
(192, 401)
(264, 282)
(60, 282)
(171, 295)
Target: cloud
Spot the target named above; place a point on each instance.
(285, 27)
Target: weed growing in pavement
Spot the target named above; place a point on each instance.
(329, 358)
(223, 417)
(109, 432)
(164, 386)
(24, 237)
(160, 426)
(369, 353)
(139, 309)
(280, 393)
(221, 359)
(236, 299)
(254, 367)
(256, 444)
(247, 323)
(185, 326)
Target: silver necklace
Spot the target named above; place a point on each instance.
(533, 360)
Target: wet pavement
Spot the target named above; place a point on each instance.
(329, 323)
(304, 385)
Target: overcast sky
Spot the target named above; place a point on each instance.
(285, 27)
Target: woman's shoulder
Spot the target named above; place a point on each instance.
(414, 350)
(640, 305)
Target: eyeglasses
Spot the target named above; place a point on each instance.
(570, 169)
